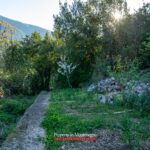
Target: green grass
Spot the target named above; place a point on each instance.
(132, 74)
(75, 111)
(11, 109)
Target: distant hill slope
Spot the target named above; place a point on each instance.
(23, 29)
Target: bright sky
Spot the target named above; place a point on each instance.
(40, 12)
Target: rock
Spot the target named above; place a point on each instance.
(91, 88)
(63, 147)
(112, 78)
(108, 98)
(137, 87)
(101, 99)
(118, 87)
(109, 85)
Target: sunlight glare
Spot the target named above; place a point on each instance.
(117, 15)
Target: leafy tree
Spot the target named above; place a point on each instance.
(145, 53)
(89, 31)
(86, 33)
(80, 32)
(6, 31)
(41, 57)
(33, 61)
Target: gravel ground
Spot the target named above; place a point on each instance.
(28, 134)
(106, 140)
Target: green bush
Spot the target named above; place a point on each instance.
(13, 83)
(13, 107)
(145, 53)
(125, 72)
(128, 129)
(6, 117)
(141, 102)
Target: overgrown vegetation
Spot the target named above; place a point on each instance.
(99, 46)
(11, 109)
(75, 111)
(140, 103)
(87, 34)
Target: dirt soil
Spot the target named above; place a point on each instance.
(28, 134)
(106, 140)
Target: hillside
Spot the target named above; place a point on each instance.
(23, 29)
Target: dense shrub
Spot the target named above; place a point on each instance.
(125, 71)
(141, 102)
(145, 53)
(13, 107)
(93, 40)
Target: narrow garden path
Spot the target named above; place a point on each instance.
(28, 134)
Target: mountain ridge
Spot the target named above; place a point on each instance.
(23, 29)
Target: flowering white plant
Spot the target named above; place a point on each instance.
(66, 68)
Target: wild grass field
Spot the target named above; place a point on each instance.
(75, 111)
(95, 64)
